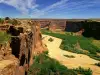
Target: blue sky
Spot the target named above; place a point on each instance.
(50, 8)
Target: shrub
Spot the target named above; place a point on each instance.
(45, 45)
(50, 39)
(4, 37)
(98, 64)
(44, 65)
(69, 56)
(45, 52)
(83, 71)
(97, 57)
(1, 21)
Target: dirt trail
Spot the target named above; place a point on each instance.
(79, 60)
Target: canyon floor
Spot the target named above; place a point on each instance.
(79, 60)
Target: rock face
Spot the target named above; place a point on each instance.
(8, 67)
(52, 24)
(73, 26)
(52, 27)
(37, 46)
(16, 56)
(85, 28)
(8, 62)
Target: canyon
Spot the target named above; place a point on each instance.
(16, 54)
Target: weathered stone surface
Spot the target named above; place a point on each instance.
(28, 40)
(8, 62)
(8, 67)
(5, 51)
(37, 38)
(59, 23)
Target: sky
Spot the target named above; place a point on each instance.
(58, 9)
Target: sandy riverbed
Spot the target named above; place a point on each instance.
(79, 60)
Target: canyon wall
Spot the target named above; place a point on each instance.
(16, 56)
(8, 62)
(52, 24)
(90, 28)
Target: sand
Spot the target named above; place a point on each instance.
(79, 60)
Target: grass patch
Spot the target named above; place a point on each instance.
(69, 56)
(4, 37)
(44, 65)
(83, 71)
(69, 43)
(96, 43)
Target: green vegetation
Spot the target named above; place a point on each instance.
(44, 65)
(69, 56)
(82, 71)
(46, 52)
(11, 21)
(4, 37)
(1, 21)
(45, 45)
(96, 43)
(50, 39)
(69, 43)
(98, 64)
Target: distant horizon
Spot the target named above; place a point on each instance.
(48, 18)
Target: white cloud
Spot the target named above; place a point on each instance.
(22, 5)
(76, 6)
(66, 6)
(29, 7)
(50, 8)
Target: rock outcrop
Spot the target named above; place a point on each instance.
(16, 56)
(8, 62)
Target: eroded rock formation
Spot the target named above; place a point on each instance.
(25, 43)
(8, 62)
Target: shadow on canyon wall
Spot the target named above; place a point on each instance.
(15, 41)
(91, 28)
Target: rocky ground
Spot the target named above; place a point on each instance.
(8, 67)
(79, 60)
